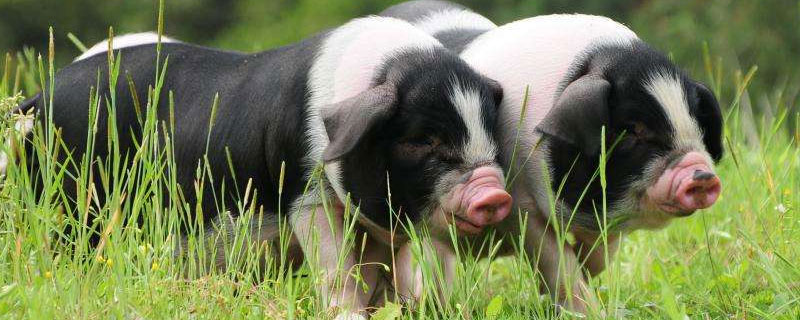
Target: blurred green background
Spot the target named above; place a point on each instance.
(741, 33)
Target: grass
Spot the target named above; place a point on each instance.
(739, 259)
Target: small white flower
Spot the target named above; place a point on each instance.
(781, 208)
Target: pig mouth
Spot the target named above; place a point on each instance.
(466, 226)
(674, 209)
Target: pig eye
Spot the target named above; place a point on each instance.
(421, 141)
(416, 148)
(635, 134)
(636, 130)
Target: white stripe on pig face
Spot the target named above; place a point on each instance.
(669, 92)
(479, 147)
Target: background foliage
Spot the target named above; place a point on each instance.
(741, 32)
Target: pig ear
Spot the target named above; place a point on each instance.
(579, 114)
(348, 121)
(709, 117)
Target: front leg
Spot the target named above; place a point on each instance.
(409, 276)
(558, 264)
(333, 257)
(591, 250)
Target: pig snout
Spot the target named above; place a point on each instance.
(700, 191)
(484, 200)
(686, 187)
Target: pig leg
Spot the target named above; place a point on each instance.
(592, 251)
(340, 289)
(408, 272)
(558, 264)
(374, 257)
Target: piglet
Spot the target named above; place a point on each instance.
(402, 128)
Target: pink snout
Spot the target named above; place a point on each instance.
(485, 200)
(698, 191)
(688, 186)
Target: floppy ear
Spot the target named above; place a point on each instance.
(579, 113)
(347, 121)
(709, 117)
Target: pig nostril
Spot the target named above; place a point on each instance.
(491, 208)
(699, 194)
(702, 175)
(484, 210)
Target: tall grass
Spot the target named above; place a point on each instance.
(155, 257)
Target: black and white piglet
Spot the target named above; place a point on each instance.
(376, 100)
(663, 130)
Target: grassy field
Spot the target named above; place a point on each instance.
(739, 259)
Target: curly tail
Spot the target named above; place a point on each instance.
(23, 127)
